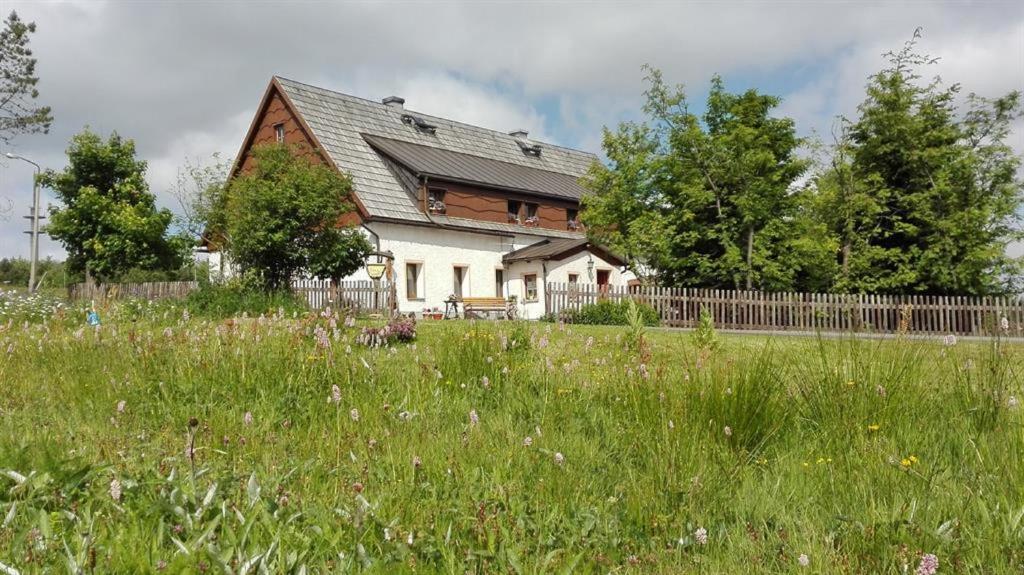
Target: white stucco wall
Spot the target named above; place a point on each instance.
(439, 251)
(558, 271)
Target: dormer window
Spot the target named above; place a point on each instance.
(279, 132)
(514, 207)
(419, 123)
(572, 219)
(435, 200)
(532, 214)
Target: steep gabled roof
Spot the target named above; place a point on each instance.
(339, 123)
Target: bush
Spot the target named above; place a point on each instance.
(238, 296)
(609, 312)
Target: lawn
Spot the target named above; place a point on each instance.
(163, 442)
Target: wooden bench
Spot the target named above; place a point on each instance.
(473, 305)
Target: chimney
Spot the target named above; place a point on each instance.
(519, 134)
(394, 102)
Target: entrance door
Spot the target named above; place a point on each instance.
(603, 279)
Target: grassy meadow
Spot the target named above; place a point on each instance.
(167, 443)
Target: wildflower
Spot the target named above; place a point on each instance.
(115, 490)
(543, 342)
(408, 540)
(335, 394)
(486, 382)
(929, 563)
(559, 458)
(474, 419)
(1004, 324)
(161, 565)
(354, 414)
(881, 391)
(850, 383)
(120, 406)
(490, 359)
(874, 427)
(727, 431)
(643, 371)
(247, 418)
(701, 535)
(404, 415)
(357, 487)
(387, 534)
(417, 462)
(671, 424)
(803, 560)
(1012, 402)
(949, 340)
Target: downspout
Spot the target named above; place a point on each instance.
(544, 277)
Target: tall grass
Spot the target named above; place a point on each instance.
(585, 454)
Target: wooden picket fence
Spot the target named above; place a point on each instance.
(753, 310)
(360, 296)
(142, 290)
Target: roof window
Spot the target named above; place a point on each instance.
(419, 123)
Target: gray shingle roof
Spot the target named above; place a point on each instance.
(338, 122)
(456, 166)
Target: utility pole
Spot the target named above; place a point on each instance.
(34, 216)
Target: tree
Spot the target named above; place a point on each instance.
(284, 216)
(18, 112)
(201, 193)
(626, 210)
(109, 223)
(706, 200)
(941, 188)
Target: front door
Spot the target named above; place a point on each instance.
(603, 277)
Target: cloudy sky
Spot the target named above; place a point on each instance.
(183, 78)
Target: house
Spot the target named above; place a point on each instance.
(466, 211)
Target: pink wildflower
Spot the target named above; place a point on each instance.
(247, 418)
(335, 394)
(417, 462)
(701, 535)
(527, 441)
(559, 458)
(929, 564)
(354, 414)
(486, 382)
(474, 419)
(115, 490)
(727, 431)
(121, 405)
(803, 560)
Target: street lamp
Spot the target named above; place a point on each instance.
(35, 221)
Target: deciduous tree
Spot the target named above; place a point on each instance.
(284, 216)
(109, 222)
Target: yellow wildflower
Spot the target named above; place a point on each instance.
(874, 427)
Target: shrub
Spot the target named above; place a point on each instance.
(238, 296)
(611, 312)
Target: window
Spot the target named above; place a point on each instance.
(412, 280)
(513, 211)
(459, 287)
(574, 278)
(530, 287)
(279, 132)
(499, 283)
(435, 200)
(572, 218)
(531, 214)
